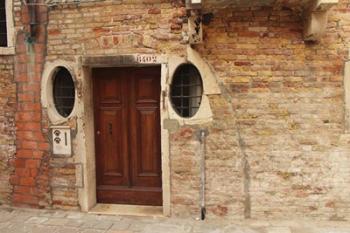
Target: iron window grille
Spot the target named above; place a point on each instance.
(186, 90)
(3, 24)
(63, 92)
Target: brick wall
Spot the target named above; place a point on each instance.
(30, 177)
(276, 147)
(287, 98)
(7, 125)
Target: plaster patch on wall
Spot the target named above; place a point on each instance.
(171, 125)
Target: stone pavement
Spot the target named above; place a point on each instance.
(46, 221)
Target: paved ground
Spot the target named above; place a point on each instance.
(44, 221)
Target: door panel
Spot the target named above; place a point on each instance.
(147, 119)
(127, 122)
(112, 149)
(145, 87)
(146, 133)
(111, 146)
(111, 89)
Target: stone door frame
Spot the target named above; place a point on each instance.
(81, 121)
(87, 195)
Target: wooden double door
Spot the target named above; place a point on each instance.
(127, 139)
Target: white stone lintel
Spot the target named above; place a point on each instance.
(316, 19)
(323, 5)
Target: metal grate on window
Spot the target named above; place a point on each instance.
(63, 92)
(3, 26)
(186, 90)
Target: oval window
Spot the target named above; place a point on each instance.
(63, 92)
(186, 90)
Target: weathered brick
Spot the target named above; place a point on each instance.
(273, 149)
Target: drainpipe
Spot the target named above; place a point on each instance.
(32, 17)
(202, 134)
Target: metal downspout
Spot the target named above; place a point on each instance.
(202, 134)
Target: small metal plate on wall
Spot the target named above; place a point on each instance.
(61, 140)
(201, 134)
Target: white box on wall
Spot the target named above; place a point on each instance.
(61, 140)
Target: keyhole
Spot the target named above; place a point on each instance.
(110, 128)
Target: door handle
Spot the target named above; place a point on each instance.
(98, 132)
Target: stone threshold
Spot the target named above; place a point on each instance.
(128, 210)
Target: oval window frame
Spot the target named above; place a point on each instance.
(55, 95)
(175, 109)
(47, 98)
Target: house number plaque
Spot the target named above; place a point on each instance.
(146, 58)
(122, 60)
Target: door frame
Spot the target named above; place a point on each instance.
(87, 195)
(85, 140)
